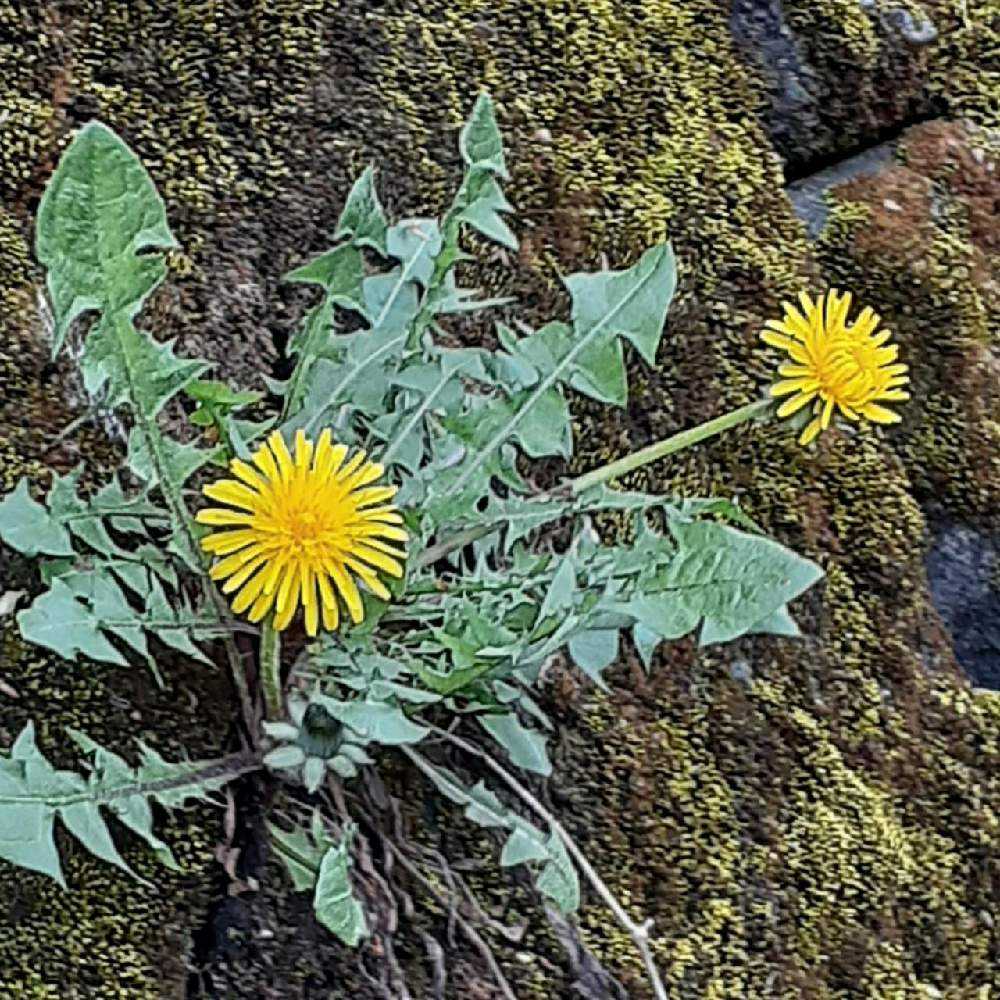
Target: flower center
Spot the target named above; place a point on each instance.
(849, 372)
(303, 527)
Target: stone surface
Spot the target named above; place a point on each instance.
(963, 567)
(809, 195)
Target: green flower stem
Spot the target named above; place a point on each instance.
(613, 470)
(669, 446)
(270, 672)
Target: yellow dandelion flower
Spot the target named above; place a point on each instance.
(304, 529)
(835, 364)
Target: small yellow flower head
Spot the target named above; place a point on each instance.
(304, 528)
(834, 364)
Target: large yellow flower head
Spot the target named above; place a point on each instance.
(304, 529)
(833, 364)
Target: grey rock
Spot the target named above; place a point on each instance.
(808, 196)
(963, 569)
(761, 33)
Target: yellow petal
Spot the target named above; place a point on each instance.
(788, 386)
(322, 453)
(282, 455)
(838, 308)
(380, 531)
(779, 340)
(331, 611)
(261, 606)
(273, 572)
(264, 461)
(366, 474)
(334, 459)
(369, 579)
(824, 420)
(250, 592)
(866, 322)
(389, 550)
(810, 432)
(252, 478)
(379, 559)
(227, 491)
(373, 494)
(307, 584)
(221, 516)
(348, 589)
(222, 542)
(796, 371)
(282, 619)
(879, 414)
(356, 460)
(387, 514)
(312, 618)
(231, 564)
(289, 590)
(303, 451)
(240, 577)
(795, 404)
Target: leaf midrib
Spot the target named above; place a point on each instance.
(230, 767)
(546, 384)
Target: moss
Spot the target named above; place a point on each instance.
(915, 236)
(700, 830)
(109, 935)
(868, 70)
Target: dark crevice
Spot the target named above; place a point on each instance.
(798, 172)
(226, 933)
(963, 570)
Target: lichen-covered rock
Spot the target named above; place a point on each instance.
(815, 818)
(840, 75)
(923, 236)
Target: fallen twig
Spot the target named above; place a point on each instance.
(639, 932)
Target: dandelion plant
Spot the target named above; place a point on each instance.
(385, 499)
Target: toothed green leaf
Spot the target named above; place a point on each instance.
(374, 720)
(33, 794)
(558, 879)
(486, 202)
(58, 621)
(594, 650)
(99, 210)
(27, 526)
(362, 217)
(526, 748)
(632, 303)
(301, 851)
(335, 904)
(479, 141)
(734, 580)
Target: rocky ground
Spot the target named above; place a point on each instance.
(817, 818)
